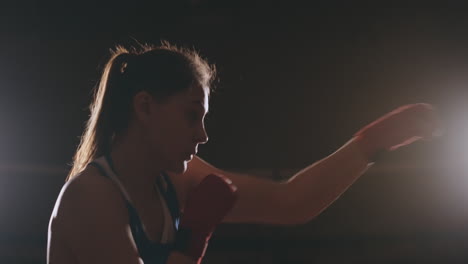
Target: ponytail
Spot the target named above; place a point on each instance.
(99, 132)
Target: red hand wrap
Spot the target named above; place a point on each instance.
(400, 127)
(206, 206)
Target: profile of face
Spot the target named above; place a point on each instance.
(174, 127)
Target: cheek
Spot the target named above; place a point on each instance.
(154, 139)
(168, 138)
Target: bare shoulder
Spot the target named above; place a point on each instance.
(90, 216)
(197, 169)
(88, 191)
(184, 182)
(255, 193)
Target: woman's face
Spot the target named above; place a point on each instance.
(176, 128)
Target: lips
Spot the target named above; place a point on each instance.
(189, 156)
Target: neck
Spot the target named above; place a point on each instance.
(133, 164)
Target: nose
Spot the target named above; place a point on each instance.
(202, 136)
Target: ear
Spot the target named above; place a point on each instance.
(142, 102)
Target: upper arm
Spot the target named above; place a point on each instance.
(259, 200)
(92, 219)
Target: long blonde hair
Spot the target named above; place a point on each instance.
(161, 70)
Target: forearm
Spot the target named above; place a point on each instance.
(317, 186)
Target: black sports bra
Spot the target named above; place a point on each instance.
(150, 252)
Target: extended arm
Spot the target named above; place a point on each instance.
(307, 193)
(297, 200)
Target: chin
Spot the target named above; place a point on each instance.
(179, 167)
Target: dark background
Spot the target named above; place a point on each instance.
(295, 82)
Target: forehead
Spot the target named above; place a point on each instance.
(198, 94)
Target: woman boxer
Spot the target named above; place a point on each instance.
(137, 192)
